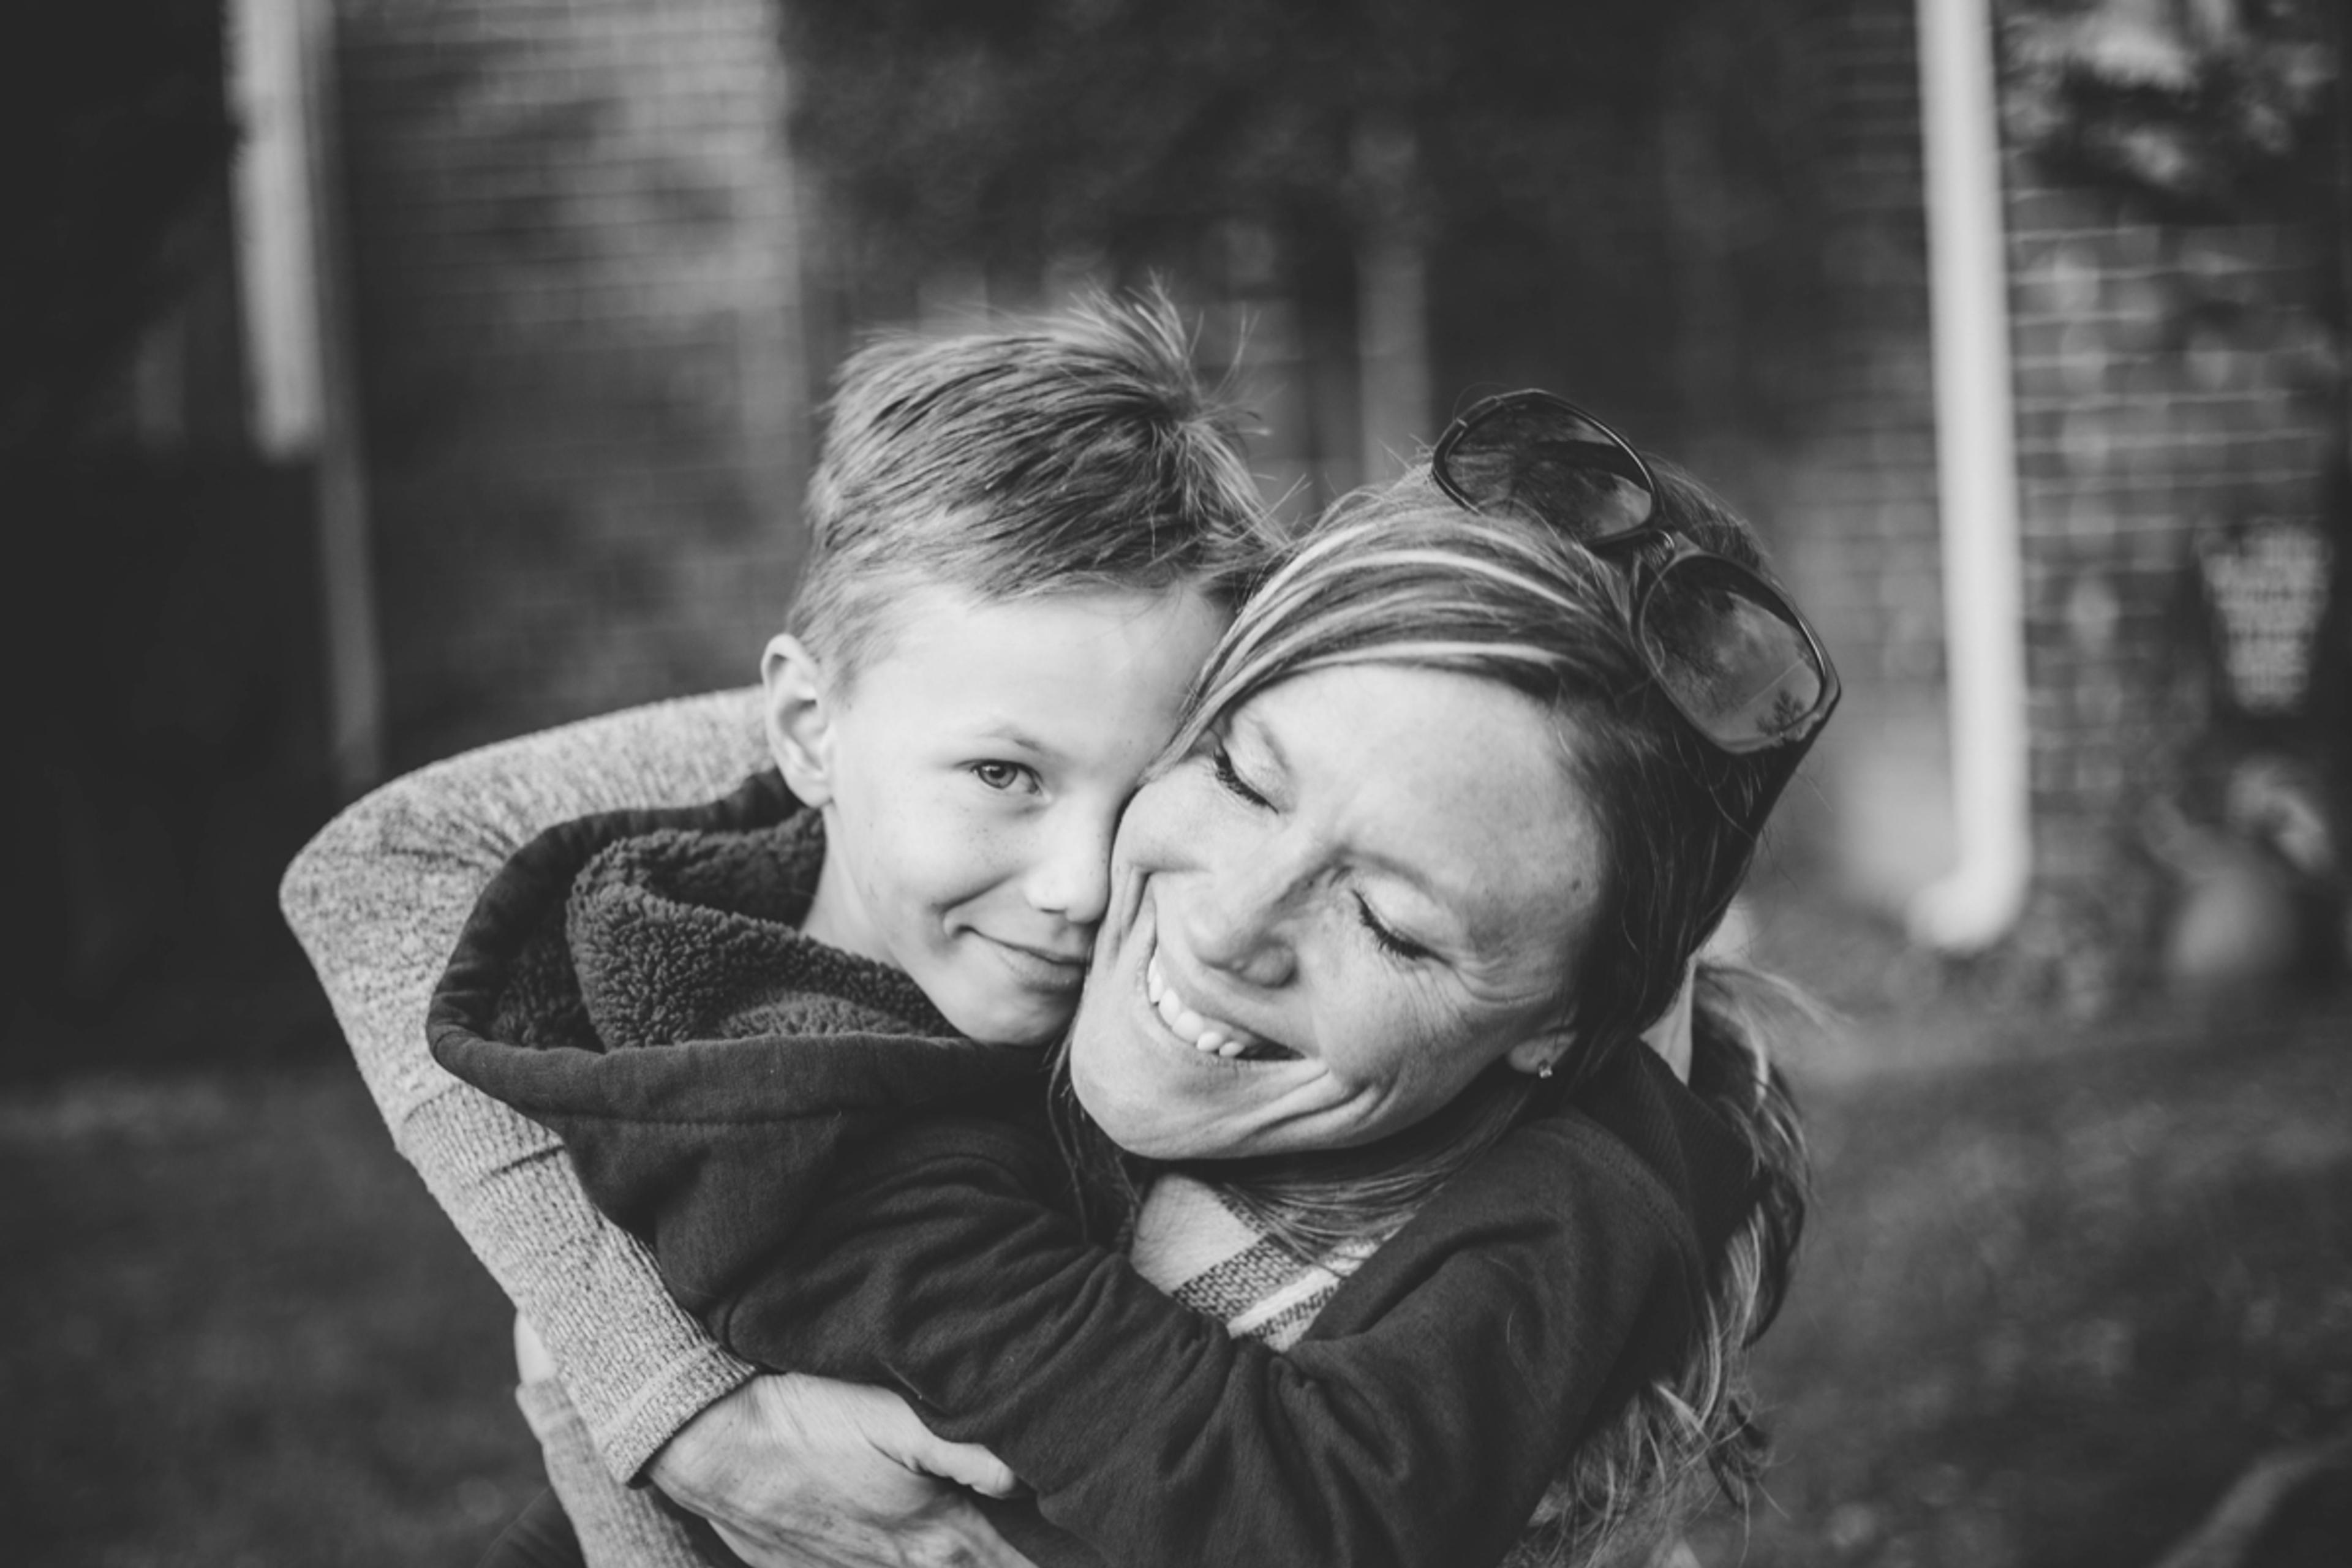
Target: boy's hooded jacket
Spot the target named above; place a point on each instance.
(836, 1183)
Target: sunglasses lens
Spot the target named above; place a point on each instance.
(1729, 650)
(1552, 464)
(1725, 646)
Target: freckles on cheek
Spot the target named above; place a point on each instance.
(1424, 1049)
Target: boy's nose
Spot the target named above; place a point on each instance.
(1069, 876)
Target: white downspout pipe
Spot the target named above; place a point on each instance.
(302, 396)
(1976, 486)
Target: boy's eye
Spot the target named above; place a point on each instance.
(1386, 936)
(1002, 776)
(1222, 760)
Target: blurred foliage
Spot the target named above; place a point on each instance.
(113, 129)
(1625, 199)
(2207, 107)
(1057, 127)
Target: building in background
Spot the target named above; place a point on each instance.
(164, 749)
(2174, 337)
(594, 289)
(575, 302)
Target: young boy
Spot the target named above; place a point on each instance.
(1023, 543)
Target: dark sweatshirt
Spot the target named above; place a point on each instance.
(836, 1183)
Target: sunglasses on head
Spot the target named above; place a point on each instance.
(1725, 646)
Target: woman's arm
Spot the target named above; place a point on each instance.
(377, 899)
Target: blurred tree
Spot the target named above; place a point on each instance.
(113, 130)
(1089, 121)
(144, 608)
(2207, 107)
(1012, 132)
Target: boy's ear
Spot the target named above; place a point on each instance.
(798, 710)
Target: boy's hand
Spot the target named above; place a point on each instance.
(804, 1472)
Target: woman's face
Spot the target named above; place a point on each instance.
(1365, 888)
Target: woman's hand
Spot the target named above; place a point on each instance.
(804, 1472)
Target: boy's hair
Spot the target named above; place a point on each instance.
(1064, 453)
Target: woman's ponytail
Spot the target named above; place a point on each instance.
(1742, 1015)
(1634, 1485)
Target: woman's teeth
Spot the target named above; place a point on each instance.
(1207, 1038)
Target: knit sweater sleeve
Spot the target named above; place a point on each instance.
(377, 901)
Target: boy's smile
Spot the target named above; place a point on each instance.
(972, 774)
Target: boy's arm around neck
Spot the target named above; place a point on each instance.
(1478, 1346)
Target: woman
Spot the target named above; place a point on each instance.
(1386, 901)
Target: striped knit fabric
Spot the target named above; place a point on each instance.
(1205, 1249)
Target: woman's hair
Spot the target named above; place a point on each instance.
(1691, 1432)
(1403, 575)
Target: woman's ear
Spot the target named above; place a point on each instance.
(1540, 1052)
(799, 708)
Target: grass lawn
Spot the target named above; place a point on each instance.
(239, 1334)
(2053, 1301)
(2053, 1304)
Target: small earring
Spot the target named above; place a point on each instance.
(1546, 1070)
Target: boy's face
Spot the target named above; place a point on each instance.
(972, 776)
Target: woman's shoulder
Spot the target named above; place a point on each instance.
(1639, 1111)
(1632, 1173)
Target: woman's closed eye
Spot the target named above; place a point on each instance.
(1386, 936)
(1222, 759)
(1006, 778)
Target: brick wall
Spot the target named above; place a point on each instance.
(2170, 383)
(575, 269)
(577, 312)
(1860, 525)
(2165, 393)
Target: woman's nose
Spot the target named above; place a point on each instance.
(1237, 918)
(1069, 874)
